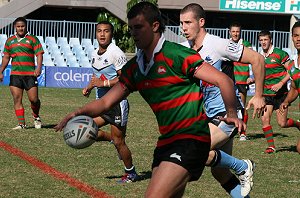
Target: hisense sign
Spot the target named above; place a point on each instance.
(255, 6)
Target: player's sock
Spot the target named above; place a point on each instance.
(36, 108)
(20, 116)
(228, 161)
(130, 170)
(233, 187)
(245, 120)
(292, 123)
(268, 132)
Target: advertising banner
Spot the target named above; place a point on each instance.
(274, 6)
(6, 74)
(68, 77)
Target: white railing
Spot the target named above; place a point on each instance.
(82, 30)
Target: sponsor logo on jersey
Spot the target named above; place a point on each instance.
(175, 155)
(161, 70)
(273, 60)
(27, 41)
(232, 47)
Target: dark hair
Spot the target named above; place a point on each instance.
(22, 19)
(265, 33)
(195, 8)
(297, 24)
(107, 23)
(235, 24)
(149, 11)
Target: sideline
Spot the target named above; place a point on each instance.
(91, 191)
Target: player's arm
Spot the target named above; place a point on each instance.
(5, 61)
(39, 61)
(257, 62)
(95, 108)
(227, 91)
(291, 97)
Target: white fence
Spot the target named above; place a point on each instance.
(83, 30)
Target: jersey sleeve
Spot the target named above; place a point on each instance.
(228, 49)
(37, 46)
(6, 50)
(284, 57)
(120, 59)
(127, 75)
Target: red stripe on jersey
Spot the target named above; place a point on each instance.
(188, 61)
(176, 102)
(23, 54)
(290, 65)
(296, 76)
(180, 124)
(159, 82)
(160, 57)
(21, 44)
(240, 64)
(241, 73)
(272, 65)
(22, 73)
(29, 37)
(276, 75)
(17, 63)
(205, 138)
(275, 56)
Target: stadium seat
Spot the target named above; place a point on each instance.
(50, 41)
(59, 61)
(288, 50)
(95, 44)
(48, 63)
(73, 42)
(62, 41)
(89, 52)
(72, 63)
(41, 39)
(3, 37)
(85, 43)
(80, 54)
(84, 62)
(64, 49)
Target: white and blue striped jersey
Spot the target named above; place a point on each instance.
(106, 65)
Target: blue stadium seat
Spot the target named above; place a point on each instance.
(50, 41)
(73, 42)
(85, 43)
(84, 62)
(95, 44)
(61, 41)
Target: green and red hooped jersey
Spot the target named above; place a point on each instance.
(241, 70)
(275, 71)
(170, 90)
(22, 53)
(295, 75)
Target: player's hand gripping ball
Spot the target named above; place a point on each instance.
(80, 132)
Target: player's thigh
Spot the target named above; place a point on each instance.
(100, 121)
(118, 133)
(218, 137)
(167, 180)
(17, 94)
(298, 146)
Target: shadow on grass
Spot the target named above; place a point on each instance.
(287, 148)
(258, 136)
(48, 126)
(143, 176)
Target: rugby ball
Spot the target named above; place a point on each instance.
(78, 130)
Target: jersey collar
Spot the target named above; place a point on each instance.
(140, 56)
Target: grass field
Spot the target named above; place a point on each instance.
(276, 175)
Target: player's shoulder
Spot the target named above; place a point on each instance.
(178, 49)
(113, 48)
(247, 43)
(279, 51)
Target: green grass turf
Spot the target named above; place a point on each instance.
(276, 175)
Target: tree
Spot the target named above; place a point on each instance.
(121, 31)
